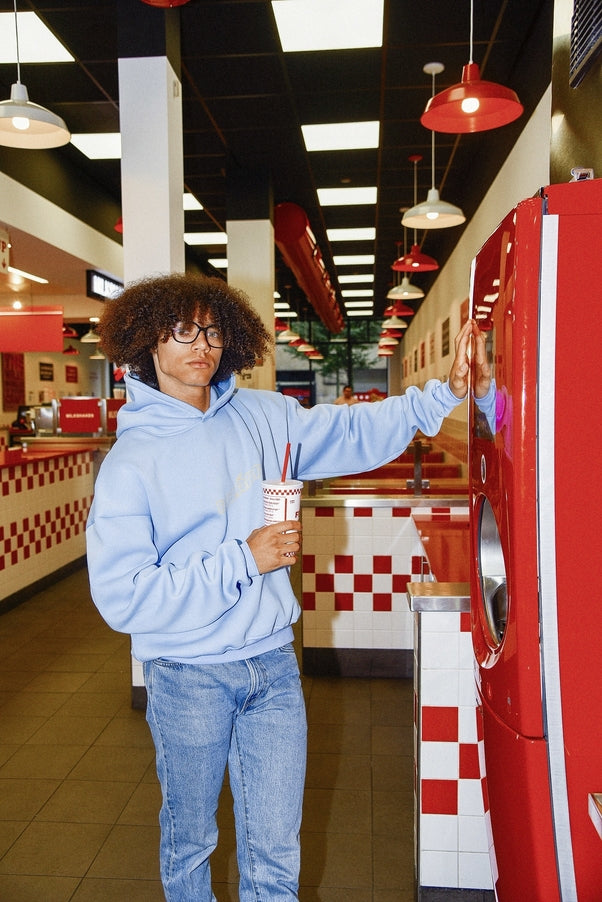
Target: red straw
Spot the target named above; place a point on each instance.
(286, 457)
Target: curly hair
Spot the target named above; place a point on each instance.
(133, 324)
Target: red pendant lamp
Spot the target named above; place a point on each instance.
(472, 105)
(415, 261)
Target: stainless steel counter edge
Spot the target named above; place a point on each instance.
(433, 596)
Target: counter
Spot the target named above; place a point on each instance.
(46, 495)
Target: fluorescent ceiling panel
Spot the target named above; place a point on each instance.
(335, 25)
(341, 136)
(190, 202)
(358, 304)
(205, 238)
(353, 259)
(98, 146)
(354, 278)
(364, 234)
(357, 293)
(219, 262)
(37, 44)
(342, 197)
(366, 312)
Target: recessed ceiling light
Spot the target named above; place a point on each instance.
(207, 238)
(358, 304)
(98, 146)
(341, 136)
(219, 262)
(354, 278)
(364, 234)
(190, 202)
(357, 293)
(339, 197)
(336, 25)
(37, 44)
(353, 259)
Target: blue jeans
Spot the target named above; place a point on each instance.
(249, 715)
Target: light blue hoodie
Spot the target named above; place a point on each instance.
(180, 492)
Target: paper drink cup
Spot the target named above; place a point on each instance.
(281, 500)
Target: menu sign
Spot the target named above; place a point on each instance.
(79, 415)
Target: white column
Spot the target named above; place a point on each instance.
(251, 269)
(152, 184)
(152, 167)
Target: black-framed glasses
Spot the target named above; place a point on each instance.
(187, 333)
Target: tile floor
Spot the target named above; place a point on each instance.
(78, 792)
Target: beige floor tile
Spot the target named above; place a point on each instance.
(9, 832)
(42, 762)
(93, 703)
(336, 860)
(92, 889)
(338, 771)
(37, 889)
(340, 738)
(393, 813)
(43, 704)
(130, 730)
(51, 681)
(114, 763)
(337, 811)
(19, 728)
(87, 802)
(54, 849)
(129, 853)
(60, 729)
(22, 799)
(143, 805)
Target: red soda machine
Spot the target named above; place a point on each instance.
(536, 545)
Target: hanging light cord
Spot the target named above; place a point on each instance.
(17, 44)
(433, 139)
(471, 29)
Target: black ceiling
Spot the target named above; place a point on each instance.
(244, 101)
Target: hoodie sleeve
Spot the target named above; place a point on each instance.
(136, 589)
(335, 440)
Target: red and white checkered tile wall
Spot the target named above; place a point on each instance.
(357, 561)
(43, 515)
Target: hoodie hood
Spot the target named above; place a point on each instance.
(157, 413)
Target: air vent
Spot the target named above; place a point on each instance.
(586, 39)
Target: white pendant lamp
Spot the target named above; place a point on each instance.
(405, 291)
(24, 124)
(434, 213)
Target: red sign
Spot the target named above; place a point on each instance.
(79, 415)
(113, 405)
(37, 329)
(71, 373)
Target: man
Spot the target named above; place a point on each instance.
(347, 397)
(178, 557)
